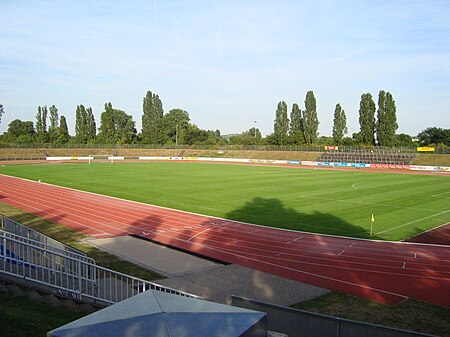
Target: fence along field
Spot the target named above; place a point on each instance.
(321, 201)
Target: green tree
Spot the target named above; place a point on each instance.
(80, 124)
(434, 135)
(152, 119)
(41, 124)
(310, 119)
(296, 126)
(251, 136)
(116, 127)
(63, 134)
(91, 130)
(281, 124)
(18, 129)
(2, 111)
(176, 122)
(386, 125)
(339, 124)
(391, 120)
(367, 119)
(404, 140)
(53, 128)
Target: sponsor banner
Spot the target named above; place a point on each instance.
(176, 158)
(83, 158)
(391, 166)
(332, 148)
(190, 158)
(294, 162)
(430, 168)
(425, 149)
(326, 163)
(310, 163)
(60, 158)
(281, 162)
(116, 158)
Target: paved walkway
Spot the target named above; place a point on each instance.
(213, 281)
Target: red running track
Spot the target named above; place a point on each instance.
(385, 272)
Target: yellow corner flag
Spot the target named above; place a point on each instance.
(371, 225)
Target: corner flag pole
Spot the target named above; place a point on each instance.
(371, 225)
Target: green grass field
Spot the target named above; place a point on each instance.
(323, 201)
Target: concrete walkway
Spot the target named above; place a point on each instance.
(213, 281)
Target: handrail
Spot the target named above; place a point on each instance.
(71, 275)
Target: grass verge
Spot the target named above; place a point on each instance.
(408, 315)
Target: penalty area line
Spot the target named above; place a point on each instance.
(411, 222)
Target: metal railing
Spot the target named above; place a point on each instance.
(13, 227)
(71, 276)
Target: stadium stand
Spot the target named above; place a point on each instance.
(368, 157)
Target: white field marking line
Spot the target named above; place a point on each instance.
(354, 186)
(206, 230)
(341, 252)
(431, 229)
(404, 264)
(439, 194)
(366, 203)
(276, 256)
(235, 221)
(294, 240)
(411, 222)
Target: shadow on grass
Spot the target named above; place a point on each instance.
(272, 212)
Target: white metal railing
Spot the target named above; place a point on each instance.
(70, 275)
(11, 226)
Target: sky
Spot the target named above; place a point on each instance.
(227, 63)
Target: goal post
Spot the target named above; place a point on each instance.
(101, 158)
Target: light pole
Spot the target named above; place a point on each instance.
(254, 122)
(176, 135)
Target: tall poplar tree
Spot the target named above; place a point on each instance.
(91, 129)
(381, 125)
(391, 120)
(281, 124)
(339, 124)
(80, 124)
(367, 119)
(310, 119)
(63, 136)
(2, 111)
(296, 125)
(152, 119)
(53, 128)
(41, 124)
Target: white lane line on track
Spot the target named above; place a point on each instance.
(411, 222)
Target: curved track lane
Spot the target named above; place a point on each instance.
(381, 271)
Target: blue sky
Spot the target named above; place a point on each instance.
(227, 63)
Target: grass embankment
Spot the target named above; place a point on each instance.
(432, 160)
(408, 315)
(321, 201)
(21, 317)
(75, 239)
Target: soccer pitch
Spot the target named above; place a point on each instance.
(339, 202)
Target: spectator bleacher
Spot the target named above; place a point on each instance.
(368, 157)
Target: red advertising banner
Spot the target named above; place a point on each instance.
(391, 166)
(335, 148)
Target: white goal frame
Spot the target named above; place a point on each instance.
(101, 157)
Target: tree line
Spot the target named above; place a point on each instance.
(378, 126)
